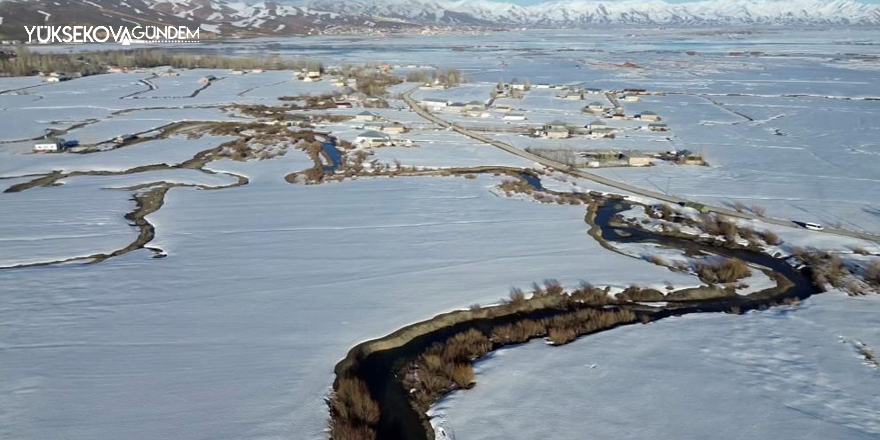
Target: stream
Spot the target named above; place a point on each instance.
(379, 370)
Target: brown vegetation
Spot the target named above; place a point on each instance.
(656, 259)
(420, 76)
(770, 238)
(88, 63)
(872, 274)
(371, 80)
(520, 186)
(828, 268)
(728, 270)
(861, 251)
(353, 410)
(447, 366)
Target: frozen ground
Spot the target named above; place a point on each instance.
(266, 286)
(81, 217)
(19, 161)
(788, 374)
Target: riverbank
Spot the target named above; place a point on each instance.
(405, 372)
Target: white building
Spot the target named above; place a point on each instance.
(649, 116)
(434, 103)
(597, 125)
(366, 116)
(556, 130)
(514, 117)
(49, 146)
(394, 128)
(373, 138)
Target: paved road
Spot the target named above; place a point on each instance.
(610, 182)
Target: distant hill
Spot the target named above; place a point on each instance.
(237, 19)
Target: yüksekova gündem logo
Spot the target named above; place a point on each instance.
(124, 35)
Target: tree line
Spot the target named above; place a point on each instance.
(25, 63)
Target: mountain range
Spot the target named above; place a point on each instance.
(227, 18)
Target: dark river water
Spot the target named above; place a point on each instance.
(379, 370)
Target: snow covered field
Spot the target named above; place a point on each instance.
(790, 373)
(266, 286)
(236, 332)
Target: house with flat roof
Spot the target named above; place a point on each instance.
(555, 130)
(602, 132)
(394, 128)
(596, 125)
(434, 103)
(595, 106)
(366, 116)
(648, 116)
(373, 138)
(49, 145)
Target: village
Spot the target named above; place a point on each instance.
(577, 125)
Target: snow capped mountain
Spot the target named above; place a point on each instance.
(242, 18)
(577, 12)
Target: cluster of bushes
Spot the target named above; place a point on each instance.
(310, 102)
(565, 328)
(758, 210)
(510, 187)
(444, 367)
(728, 270)
(872, 274)
(354, 413)
(88, 63)
(829, 269)
(370, 79)
(256, 140)
(718, 226)
(420, 76)
(663, 212)
(450, 77)
(722, 227)
(447, 366)
(714, 225)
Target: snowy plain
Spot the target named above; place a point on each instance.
(785, 373)
(266, 286)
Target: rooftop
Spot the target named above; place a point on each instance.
(373, 134)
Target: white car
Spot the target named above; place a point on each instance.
(814, 226)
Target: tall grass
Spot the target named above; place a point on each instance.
(354, 412)
(447, 365)
(728, 270)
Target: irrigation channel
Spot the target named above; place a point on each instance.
(380, 369)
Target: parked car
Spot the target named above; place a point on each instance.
(814, 226)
